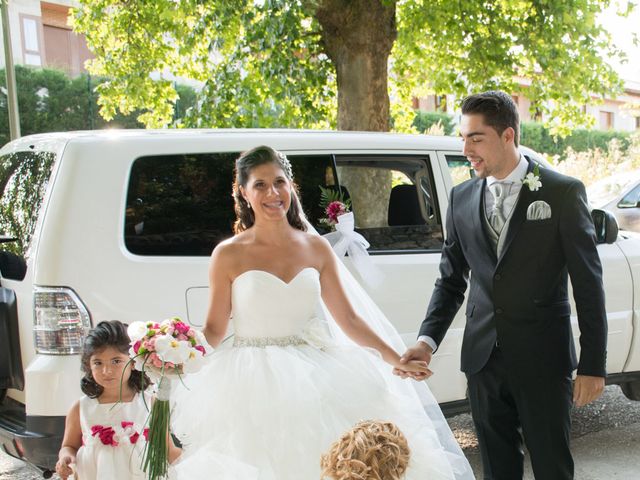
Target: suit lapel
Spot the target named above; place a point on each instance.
(479, 224)
(525, 198)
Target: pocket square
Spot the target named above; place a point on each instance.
(538, 210)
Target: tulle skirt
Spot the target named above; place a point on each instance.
(269, 413)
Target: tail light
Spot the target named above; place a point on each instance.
(61, 321)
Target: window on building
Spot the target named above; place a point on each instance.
(63, 48)
(440, 103)
(606, 120)
(31, 41)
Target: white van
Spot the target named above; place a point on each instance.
(120, 225)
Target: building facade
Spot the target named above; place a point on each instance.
(41, 36)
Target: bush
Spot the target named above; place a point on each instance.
(534, 135)
(595, 164)
(423, 121)
(49, 100)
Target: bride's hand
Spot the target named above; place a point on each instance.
(416, 368)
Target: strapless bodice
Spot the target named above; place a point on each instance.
(263, 305)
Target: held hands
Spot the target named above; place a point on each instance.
(586, 389)
(63, 467)
(418, 355)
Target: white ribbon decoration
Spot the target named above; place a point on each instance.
(346, 240)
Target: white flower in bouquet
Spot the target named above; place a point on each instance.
(171, 350)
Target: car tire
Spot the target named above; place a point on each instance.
(631, 390)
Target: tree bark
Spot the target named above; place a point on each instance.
(358, 35)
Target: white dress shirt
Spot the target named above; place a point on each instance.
(512, 184)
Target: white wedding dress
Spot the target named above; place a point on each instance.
(267, 407)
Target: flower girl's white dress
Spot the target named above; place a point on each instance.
(267, 407)
(113, 438)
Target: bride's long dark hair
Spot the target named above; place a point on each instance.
(244, 165)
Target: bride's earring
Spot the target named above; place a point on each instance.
(249, 205)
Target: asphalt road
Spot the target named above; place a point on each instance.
(606, 442)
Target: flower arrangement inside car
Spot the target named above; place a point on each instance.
(334, 205)
(164, 351)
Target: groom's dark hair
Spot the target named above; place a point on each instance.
(498, 109)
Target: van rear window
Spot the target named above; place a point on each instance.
(24, 177)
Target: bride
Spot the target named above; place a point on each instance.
(268, 406)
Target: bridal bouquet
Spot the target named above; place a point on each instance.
(164, 351)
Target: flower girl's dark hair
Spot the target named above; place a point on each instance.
(107, 334)
(244, 164)
(372, 450)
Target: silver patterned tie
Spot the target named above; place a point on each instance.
(496, 217)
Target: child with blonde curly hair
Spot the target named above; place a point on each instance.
(372, 450)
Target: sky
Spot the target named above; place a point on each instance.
(622, 30)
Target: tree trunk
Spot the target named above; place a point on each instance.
(358, 35)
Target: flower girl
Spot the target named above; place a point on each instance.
(105, 430)
(372, 450)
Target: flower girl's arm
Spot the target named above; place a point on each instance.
(219, 309)
(353, 325)
(71, 442)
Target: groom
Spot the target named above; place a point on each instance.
(519, 231)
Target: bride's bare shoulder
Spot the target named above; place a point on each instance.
(318, 244)
(230, 249)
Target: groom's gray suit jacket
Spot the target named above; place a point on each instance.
(520, 298)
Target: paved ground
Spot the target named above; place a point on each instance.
(606, 442)
(606, 439)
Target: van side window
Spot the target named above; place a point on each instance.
(24, 177)
(393, 201)
(179, 205)
(459, 168)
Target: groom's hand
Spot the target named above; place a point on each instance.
(586, 389)
(421, 352)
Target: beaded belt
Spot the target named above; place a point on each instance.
(261, 342)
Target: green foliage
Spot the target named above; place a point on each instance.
(468, 46)
(538, 137)
(424, 120)
(595, 164)
(263, 63)
(328, 195)
(49, 101)
(260, 62)
(23, 180)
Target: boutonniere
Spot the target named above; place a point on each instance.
(532, 180)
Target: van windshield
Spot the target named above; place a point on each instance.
(23, 182)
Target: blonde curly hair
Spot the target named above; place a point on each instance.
(372, 450)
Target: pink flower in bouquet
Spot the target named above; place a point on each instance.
(183, 328)
(334, 210)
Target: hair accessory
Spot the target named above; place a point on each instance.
(285, 163)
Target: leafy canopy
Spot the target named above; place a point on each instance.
(262, 64)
